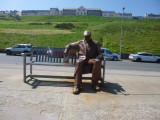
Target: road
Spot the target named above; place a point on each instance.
(110, 65)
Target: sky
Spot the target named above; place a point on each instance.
(136, 7)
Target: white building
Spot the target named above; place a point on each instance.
(54, 11)
(124, 15)
(81, 11)
(72, 11)
(2, 12)
(152, 16)
(69, 11)
(35, 12)
(108, 14)
(18, 13)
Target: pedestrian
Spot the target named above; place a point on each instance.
(89, 61)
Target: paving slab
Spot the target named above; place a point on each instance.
(126, 95)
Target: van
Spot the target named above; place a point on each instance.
(108, 55)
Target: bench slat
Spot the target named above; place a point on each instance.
(44, 54)
(50, 64)
(61, 77)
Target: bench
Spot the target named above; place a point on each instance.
(49, 56)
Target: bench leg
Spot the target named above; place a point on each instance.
(31, 69)
(103, 76)
(24, 69)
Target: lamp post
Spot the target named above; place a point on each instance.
(121, 33)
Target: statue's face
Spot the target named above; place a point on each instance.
(87, 37)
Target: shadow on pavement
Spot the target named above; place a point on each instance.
(35, 83)
(113, 88)
(108, 87)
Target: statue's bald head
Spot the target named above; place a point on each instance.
(87, 33)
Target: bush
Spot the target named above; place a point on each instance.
(65, 25)
(17, 17)
(35, 23)
(81, 25)
(48, 23)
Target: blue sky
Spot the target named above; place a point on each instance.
(136, 7)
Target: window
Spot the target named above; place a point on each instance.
(22, 46)
(17, 46)
(29, 46)
(145, 54)
(108, 52)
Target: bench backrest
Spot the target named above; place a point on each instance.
(50, 54)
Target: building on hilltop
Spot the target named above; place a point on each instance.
(78, 11)
(60, 12)
(54, 11)
(13, 13)
(68, 11)
(116, 15)
(108, 14)
(35, 12)
(2, 12)
(152, 16)
(82, 11)
(124, 15)
(94, 12)
(75, 11)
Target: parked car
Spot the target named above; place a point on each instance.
(143, 56)
(18, 49)
(108, 55)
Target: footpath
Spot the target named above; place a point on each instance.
(126, 95)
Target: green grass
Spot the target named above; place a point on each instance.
(138, 35)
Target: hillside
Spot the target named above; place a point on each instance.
(138, 35)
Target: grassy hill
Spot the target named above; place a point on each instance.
(138, 35)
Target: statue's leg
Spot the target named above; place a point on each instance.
(96, 73)
(78, 77)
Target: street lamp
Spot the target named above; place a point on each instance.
(121, 33)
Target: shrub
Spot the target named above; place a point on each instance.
(81, 25)
(35, 23)
(65, 26)
(48, 23)
(17, 17)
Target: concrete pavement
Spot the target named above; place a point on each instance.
(126, 95)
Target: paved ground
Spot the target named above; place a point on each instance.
(126, 95)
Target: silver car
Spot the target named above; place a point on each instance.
(143, 56)
(18, 49)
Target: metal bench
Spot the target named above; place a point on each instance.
(49, 56)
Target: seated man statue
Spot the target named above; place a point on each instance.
(89, 56)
